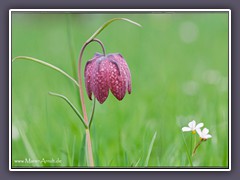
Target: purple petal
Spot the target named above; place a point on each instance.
(107, 72)
(119, 58)
(99, 84)
(117, 78)
(88, 72)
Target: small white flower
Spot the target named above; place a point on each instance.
(192, 127)
(204, 133)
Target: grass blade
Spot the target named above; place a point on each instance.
(46, 64)
(71, 105)
(150, 149)
(82, 160)
(69, 160)
(125, 159)
(188, 155)
(73, 150)
(136, 164)
(29, 148)
(109, 22)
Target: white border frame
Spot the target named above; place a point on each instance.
(119, 10)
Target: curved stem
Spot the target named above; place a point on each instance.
(80, 76)
(92, 39)
(88, 137)
(198, 144)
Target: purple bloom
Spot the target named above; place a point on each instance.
(107, 72)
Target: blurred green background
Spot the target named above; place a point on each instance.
(179, 68)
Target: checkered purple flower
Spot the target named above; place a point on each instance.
(107, 72)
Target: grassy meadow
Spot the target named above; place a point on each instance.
(179, 69)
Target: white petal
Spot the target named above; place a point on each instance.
(186, 129)
(205, 131)
(192, 124)
(199, 125)
(199, 132)
(208, 136)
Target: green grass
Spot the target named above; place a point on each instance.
(173, 83)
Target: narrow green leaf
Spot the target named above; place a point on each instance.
(150, 149)
(109, 22)
(45, 64)
(71, 105)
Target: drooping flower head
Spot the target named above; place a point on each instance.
(104, 73)
(192, 127)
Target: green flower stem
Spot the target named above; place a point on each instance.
(198, 144)
(80, 76)
(92, 113)
(46, 64)
(71, 105)
(92, 39)
(89, 149)
(195, 140)
(79, 83)
(191, 143)
(186, 149)
(88, 137)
